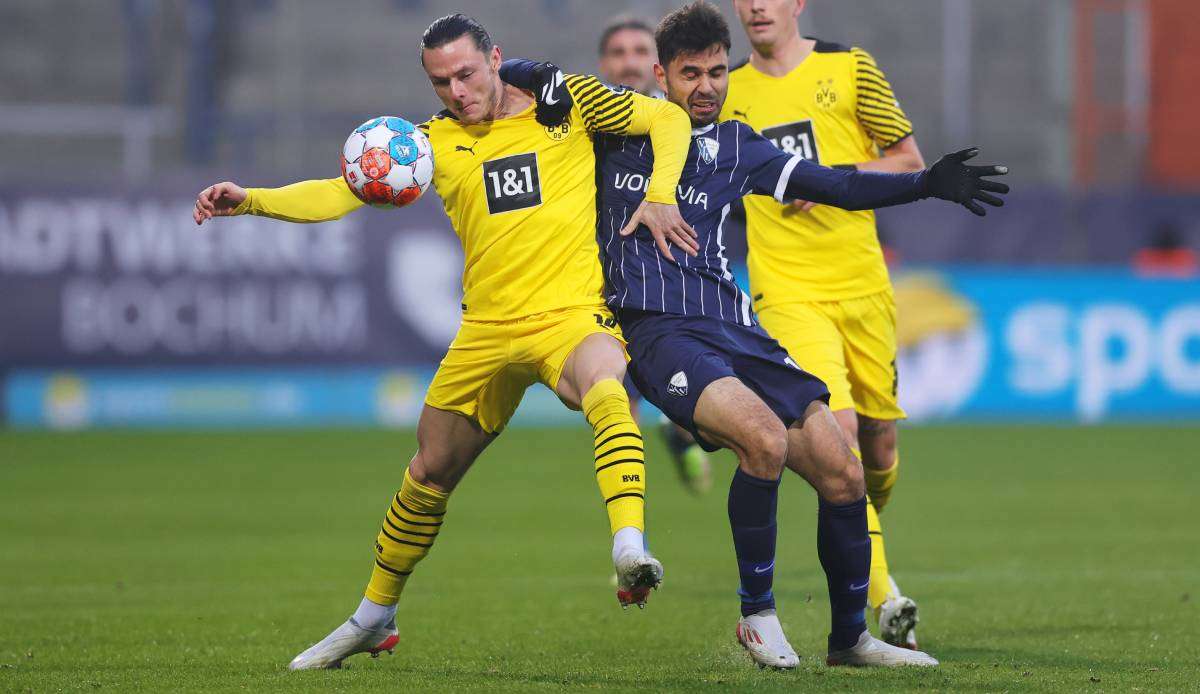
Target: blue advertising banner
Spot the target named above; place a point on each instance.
(1048, 344)
(118, 310)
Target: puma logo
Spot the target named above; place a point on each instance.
(743, 114)
(462, 148)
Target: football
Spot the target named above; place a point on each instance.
(387, 162)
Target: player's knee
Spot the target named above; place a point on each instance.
(766, 450)
(845, 483)
(879, 454)
(425, 470)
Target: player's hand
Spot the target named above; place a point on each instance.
(218, 201)
(554, 100)
(951, 179)
(666, 225)
(801, 205)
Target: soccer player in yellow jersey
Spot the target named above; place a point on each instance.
(522, 198)
(817, 273)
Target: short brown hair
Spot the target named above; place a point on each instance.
(693, 28)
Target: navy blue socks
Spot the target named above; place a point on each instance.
(752, 504)
(845, 552)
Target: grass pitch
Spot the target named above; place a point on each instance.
(1043, 559)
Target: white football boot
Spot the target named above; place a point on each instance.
(762, 636)
(871, 652)
(637, 573)
(898, 618)
(344, 642)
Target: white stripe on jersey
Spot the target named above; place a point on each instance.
(624, 211)
(662, 282)
(745, 309)
(638, 253)
(737, 154)
(781, 186)
(724, 261)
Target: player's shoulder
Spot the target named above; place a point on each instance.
(741, 71)
(829, 47)
(736, 128)
(437, 121)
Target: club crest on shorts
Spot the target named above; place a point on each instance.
(708, 149)
(678, 386)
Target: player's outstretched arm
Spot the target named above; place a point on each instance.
(305, 202)
(948, 179)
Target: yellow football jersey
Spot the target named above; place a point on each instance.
(520, 196)
(836, 107)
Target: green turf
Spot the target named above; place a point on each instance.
(1043, 559)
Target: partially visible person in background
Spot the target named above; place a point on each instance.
(1167, 254)
(817, 274)
(627, 57)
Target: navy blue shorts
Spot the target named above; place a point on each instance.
(674, 358)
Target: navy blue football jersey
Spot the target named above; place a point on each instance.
(726, 161)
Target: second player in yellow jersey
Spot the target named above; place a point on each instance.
(835, 108)
(817, 274)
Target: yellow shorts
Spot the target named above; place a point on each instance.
(851, 345)
(490, 363)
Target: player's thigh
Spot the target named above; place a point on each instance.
(447, 445)
(810, 335)
(868, 328)
(477, 378)
(731, 415)
(818, 452)
(577, 348)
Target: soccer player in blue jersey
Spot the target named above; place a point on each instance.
(697, 351)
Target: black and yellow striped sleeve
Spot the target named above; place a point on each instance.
(602, 108)
(877, 109)
(619, 111)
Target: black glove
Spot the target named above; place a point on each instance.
(951, 179)
(554, 100)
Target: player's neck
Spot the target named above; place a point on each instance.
(783, 57)
(512, 102)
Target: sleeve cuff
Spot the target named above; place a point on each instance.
(245, 206)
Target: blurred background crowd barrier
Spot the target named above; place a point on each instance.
(1079, 301)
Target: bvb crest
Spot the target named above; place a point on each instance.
(826, 96)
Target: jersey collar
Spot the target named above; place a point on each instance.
(701, 131)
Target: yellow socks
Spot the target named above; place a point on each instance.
(881, 583)
(409, 529)
(620, 459)
(880, 482)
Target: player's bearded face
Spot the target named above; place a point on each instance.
(697, 82)
(629, 59)
(767, 22)
(466, 79)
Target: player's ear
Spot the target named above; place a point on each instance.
(799, 7)
(497, 58)
(660, 76)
